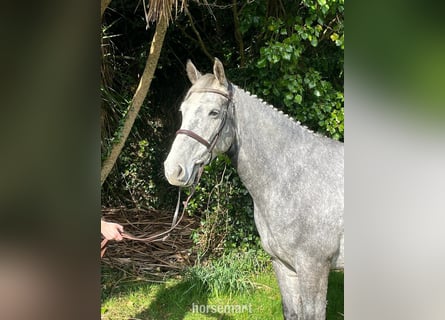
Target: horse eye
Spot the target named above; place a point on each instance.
(213, 113)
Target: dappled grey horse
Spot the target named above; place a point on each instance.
(294, 176)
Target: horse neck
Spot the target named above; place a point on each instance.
(266, 142)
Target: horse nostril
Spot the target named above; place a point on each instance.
(181, 172)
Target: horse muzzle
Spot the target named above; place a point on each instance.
(181, 175)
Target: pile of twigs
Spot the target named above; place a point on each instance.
(166, 256)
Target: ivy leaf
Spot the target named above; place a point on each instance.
(261, 63)
(325, 9)
(298, 98)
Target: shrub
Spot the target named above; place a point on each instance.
(226, 211)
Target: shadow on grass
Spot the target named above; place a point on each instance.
(174, 302)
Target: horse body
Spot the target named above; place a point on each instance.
(295, 178)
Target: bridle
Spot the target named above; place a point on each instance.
(210, 144)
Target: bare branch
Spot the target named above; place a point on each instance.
(201, 43)
(238, 35)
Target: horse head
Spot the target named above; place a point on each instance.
(207, 127)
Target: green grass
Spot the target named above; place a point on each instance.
(230, 274)
(335, 297)
(220, 286)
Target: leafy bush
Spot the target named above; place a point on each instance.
(226, 211)
(297, 64)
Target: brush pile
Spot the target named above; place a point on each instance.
(165, 256)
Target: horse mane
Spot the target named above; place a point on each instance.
(279, 113)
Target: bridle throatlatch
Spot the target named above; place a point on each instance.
(210, 145)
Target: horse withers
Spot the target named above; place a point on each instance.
(295, 178)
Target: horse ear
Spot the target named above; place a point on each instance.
(218, 71)
(192, 72)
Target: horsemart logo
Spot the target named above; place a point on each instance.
(218, 308)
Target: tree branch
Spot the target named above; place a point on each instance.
(201, 43)
(238, 35)
(185, 34)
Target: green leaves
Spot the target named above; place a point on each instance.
(225, 208)
(300, 65)
(338, 40)
(314, 42)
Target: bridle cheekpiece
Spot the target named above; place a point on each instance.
(210, 144)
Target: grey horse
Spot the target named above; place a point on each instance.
(295, 178)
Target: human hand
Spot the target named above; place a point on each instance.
(111, 230)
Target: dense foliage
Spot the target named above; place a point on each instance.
(298, 64)
(287, 52)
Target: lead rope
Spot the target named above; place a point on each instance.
(178, 204)
(175, 222)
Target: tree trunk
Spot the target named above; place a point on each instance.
(138, 98)
(103, 5)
